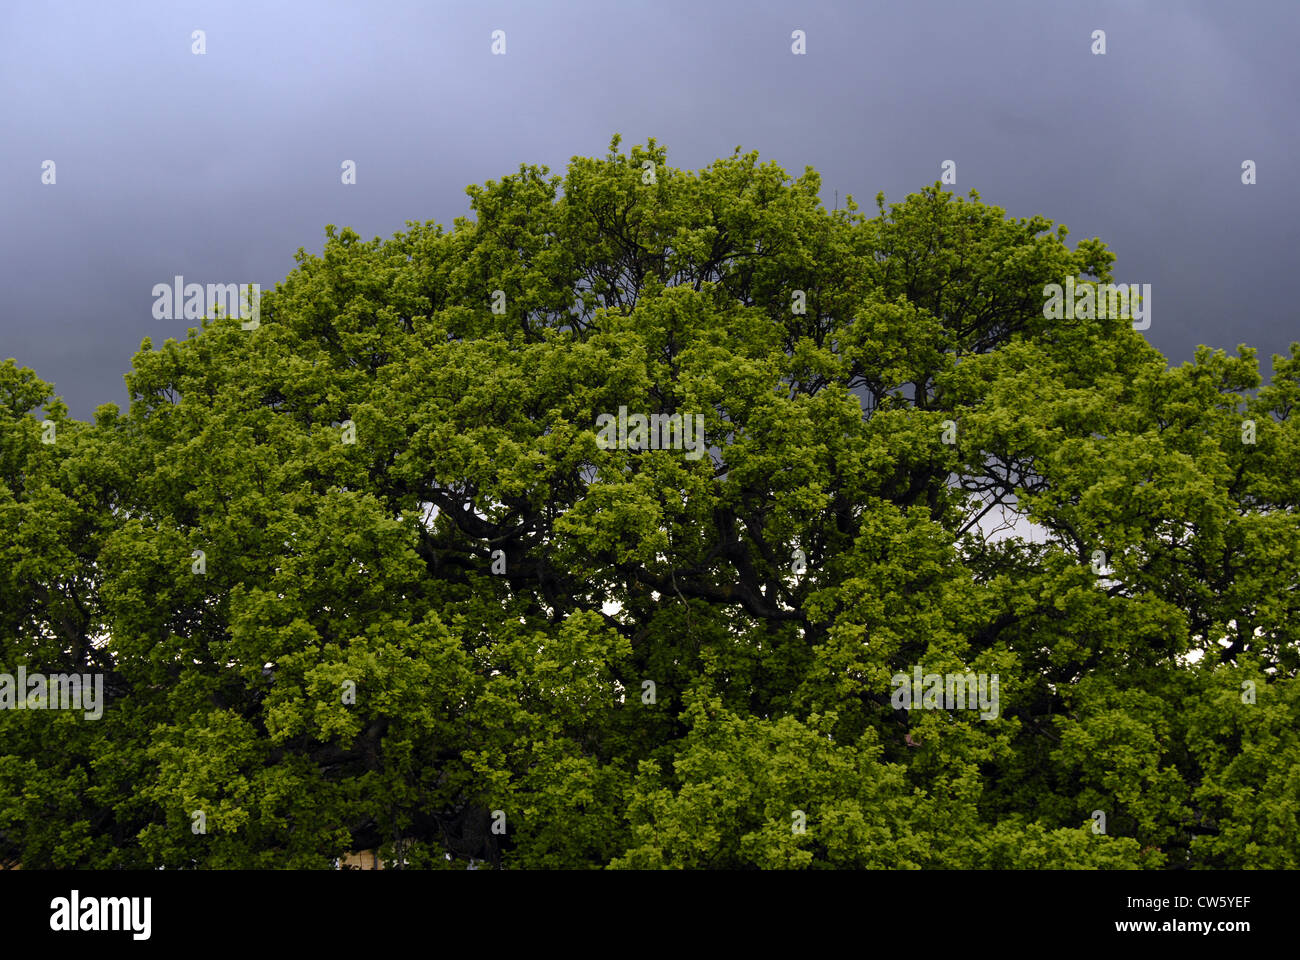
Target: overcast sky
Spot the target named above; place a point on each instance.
(219, 167)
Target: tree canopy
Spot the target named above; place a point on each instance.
(363, 576)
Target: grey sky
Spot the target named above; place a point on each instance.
(219, 167)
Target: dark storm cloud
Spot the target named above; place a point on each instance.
(219, 167)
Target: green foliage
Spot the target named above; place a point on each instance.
(348, 670)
